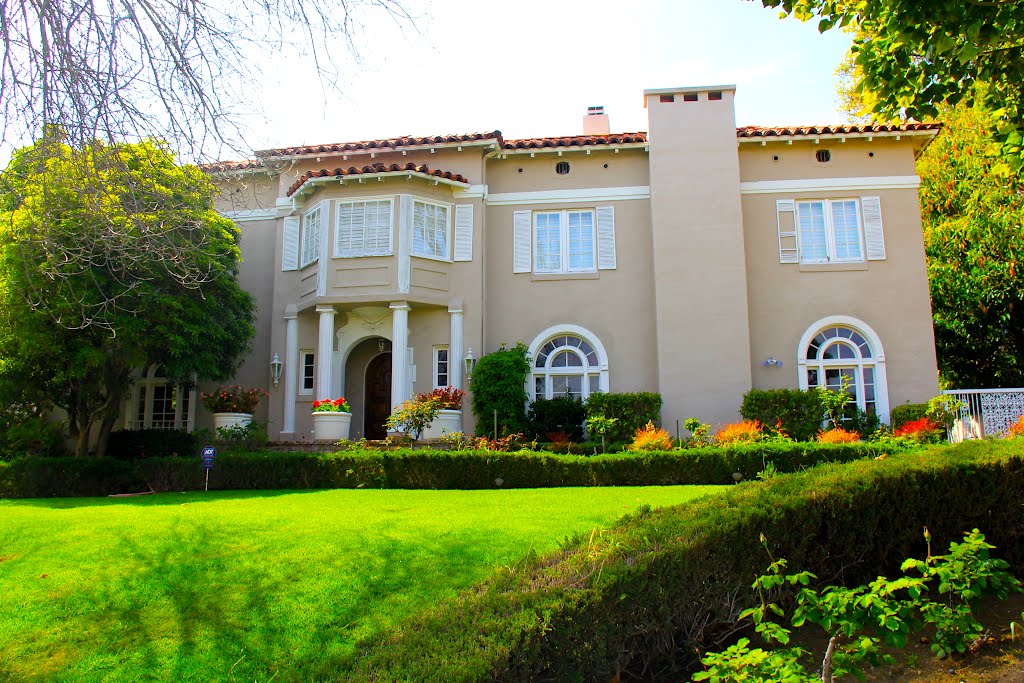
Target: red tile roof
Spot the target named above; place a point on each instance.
(575, 141)
(384, 145)
(836, 129)
(223, 166)
(374, 169)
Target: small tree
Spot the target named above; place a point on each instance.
(498, 384)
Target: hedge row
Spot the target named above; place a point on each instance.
(640, 600)
(413, 469)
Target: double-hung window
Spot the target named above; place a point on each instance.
(564, 241)
(308, 368)
(829, 231)
(441, 375)
(363, 228)
(311, 236)
(430, 228)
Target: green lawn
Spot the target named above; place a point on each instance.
(248, 586)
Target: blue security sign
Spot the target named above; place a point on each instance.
(208, 454)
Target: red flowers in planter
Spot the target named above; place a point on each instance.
(328, 405)
(450, 398)
(233, 399)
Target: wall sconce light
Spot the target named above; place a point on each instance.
(773, 362)
(275, 369)
(470, 362)
(381, 343)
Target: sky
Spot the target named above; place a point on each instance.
(532, 67)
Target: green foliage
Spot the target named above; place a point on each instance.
(944, 409)
(560, 414)
(908, 412)
(114, 259)
(31, 435)
(631, 411)
(739, 664)
(798, 413)
(642, 596)
(861, 421)
(834, 403)
(414, 415)
(243, 437)
(129, 444)
(497, 384)
(915, 56)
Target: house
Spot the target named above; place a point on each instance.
(697, 259)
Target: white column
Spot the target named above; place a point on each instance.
(291, 370)
(325, 352)
(455, 347)
(399, 352)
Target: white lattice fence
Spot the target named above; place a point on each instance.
(986, 412)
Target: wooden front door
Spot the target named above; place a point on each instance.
(378, 396)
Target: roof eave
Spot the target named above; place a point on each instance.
(307, 185)
(373, 151)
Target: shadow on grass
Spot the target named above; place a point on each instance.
(152, 500)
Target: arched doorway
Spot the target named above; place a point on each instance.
(377, 406)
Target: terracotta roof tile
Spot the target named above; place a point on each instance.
(223, 166)
(386, 144)
(835, 129)
(576, 141)
(374, 169)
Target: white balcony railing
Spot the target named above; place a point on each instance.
(986, 412)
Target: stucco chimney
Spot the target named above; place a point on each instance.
(596, 122)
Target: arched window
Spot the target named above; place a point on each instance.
(156, 404)
(567, 360)
(838, 347)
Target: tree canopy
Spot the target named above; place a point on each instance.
(914, 56)
(81, 306)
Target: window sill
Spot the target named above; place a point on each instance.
(346, 258)
(431, 258)
(821, 267)
(540, 277)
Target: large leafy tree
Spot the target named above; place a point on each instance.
(82, 305)
(914, 56)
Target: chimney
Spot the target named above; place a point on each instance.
(595, 122)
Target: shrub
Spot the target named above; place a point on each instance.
(860, 421)
(798, 413)
(497, 385)
(838, 435)
(631, 411)
(450, 398)
(129, 444)
(1016, 430)
(908, 412)
(414, 415)
(32, 435)
(922, 429)
(651, 438)
(747, 431)
(233, 399)
(560, 414)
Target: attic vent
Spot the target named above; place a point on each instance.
(690, 97)
(715, 95)
(562, 168)
(667, 98)
(823, 155)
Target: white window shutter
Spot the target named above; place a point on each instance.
(290, 247)
(785, 212)
(522, 226)
(874, 239)
(463, 232)
(606, 237)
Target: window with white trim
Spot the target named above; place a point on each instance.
(156, 404)
(829, 231)
(441, 375)
(311, 237)
(837, 352)
(363, 228)
(564, 241)
(566, 365)
(308, 371)
(431, 224)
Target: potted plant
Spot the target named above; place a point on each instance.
(448, 419)
(332, 419)
(232, 406)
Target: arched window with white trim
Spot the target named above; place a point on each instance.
(567, 360)
(154, 403)
(838, 347)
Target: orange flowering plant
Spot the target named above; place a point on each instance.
(1016, 430)
(328, 405)
(747, 431)
(651, 438)
(838, 435)
(233, 399)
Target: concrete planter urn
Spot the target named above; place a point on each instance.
(331, 426)
(229, 420)
(446, 422)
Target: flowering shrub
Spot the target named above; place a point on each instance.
(920, 430)
(1016, 429)
(747, 431)
(838, 435)
(700, 433)
(337, 405)
(450, 397)
(233, 399)
(414, 415)
(651, 438)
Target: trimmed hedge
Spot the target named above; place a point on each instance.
(632, 410)
(414, 469)
(800, 412)
(908, 412)
(642, 599)
(559, 414)
(147, 443)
